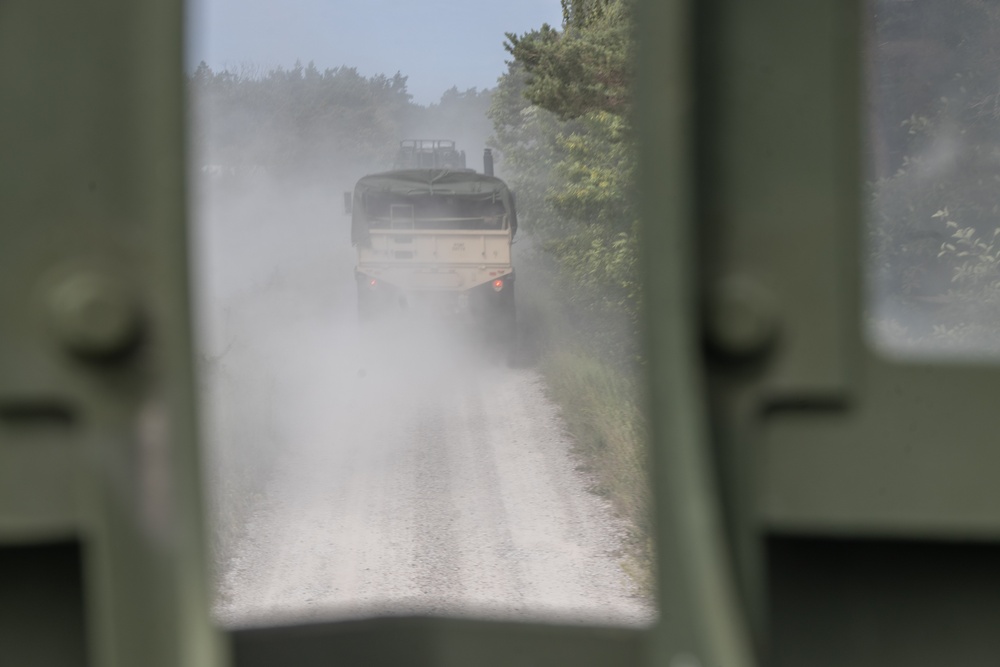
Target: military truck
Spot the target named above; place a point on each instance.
(434, 237)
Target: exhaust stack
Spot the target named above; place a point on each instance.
(488, 162)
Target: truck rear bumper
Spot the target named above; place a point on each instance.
(427, 296)
(429, 278)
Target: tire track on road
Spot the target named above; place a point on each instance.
(449, 495)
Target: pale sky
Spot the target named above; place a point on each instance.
(436, 43)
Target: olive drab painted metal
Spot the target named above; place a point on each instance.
(815, 504)
(100, 528)
(702, 620)
(818, 502)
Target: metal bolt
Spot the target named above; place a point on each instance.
(93, 316)
(742, 317)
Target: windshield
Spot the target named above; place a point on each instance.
(416, 405)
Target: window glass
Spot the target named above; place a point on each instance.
(423, 396)
(934, 161)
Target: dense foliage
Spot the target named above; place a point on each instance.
(562, 117)
(562, 123)
(297, 121)
(333, 124)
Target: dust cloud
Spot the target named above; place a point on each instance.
(284, 361)
(358, 471)
(272, 300)
(354, 470)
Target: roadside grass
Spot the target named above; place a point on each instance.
(601, 407)
(601, 402)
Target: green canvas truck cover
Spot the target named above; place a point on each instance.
(412, 185)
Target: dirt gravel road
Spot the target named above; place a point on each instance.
(436, 484)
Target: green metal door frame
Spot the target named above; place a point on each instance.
(98, 449)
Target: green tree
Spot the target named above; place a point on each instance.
(587, 66)
(561, 118)
(298, 121)
(562, 123)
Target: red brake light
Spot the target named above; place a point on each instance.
(498, 284)
(373, 283)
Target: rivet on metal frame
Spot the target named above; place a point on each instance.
(742, 317)
(93, 316)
